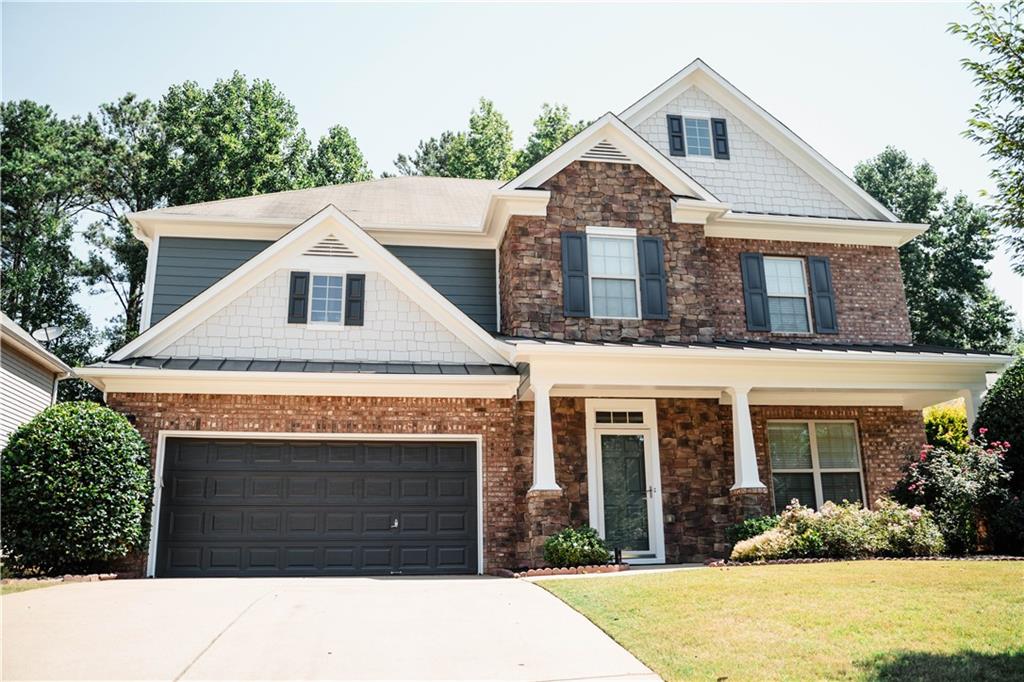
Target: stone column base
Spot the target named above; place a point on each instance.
(547, 512)
(749, 502)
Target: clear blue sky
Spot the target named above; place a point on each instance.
(849, 79)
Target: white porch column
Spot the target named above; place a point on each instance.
(543, 443)
(972, 401)
(744, 452)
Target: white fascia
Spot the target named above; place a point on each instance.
(818, 230)
(155, 380)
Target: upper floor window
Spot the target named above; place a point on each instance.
(698, 136)
(787, 294)
(814, 462)
(326, 299)
(613, 275)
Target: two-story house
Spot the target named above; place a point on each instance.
(681, 317)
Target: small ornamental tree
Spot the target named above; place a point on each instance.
(963, 489)
(1002, 413)
(77, 490)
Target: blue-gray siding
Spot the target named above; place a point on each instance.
(466, 277)
(187, 266)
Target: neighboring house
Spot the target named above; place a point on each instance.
(28, 377)
(682, 317)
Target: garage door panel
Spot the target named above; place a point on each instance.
(309, 508)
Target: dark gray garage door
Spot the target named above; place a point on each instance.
(272, 508)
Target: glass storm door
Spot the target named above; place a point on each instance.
(626, 492)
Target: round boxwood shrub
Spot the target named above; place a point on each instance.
(1002, 414)
(750, 528)
(77, 490)
(575, 547)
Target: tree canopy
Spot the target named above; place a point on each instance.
(944, 274)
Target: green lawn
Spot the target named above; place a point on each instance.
(866, 620)
(13, 588)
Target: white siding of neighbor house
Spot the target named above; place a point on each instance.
(25, 390)
(254, 326)
(756, 177)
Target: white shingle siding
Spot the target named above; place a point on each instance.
(25, 390)
(254, 326)
(756, 177)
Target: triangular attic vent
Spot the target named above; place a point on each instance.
(332, 247)
(607, 152)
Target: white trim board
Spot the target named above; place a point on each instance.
(163, 435)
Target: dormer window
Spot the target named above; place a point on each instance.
(698, 136)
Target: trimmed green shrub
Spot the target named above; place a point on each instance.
(845, 531)
(77, 490)
(963, 490)
(1002, 414)
(945, 426)
(750, 527)
(575, 547)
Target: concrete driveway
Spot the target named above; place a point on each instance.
(305, 628)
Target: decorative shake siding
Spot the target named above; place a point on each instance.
(611, 195)
(866, 280)
(395, 329)
(757, 177)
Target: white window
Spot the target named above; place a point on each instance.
(788, 303)
(814, 462)
(698, 136)
(326, 299)
(614, 285)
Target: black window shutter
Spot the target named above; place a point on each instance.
(653, 294)
(298, 296)
(676, 141)
(355, 296)
(825, 321)
(720, 138)
(575, 295)
(755, 292)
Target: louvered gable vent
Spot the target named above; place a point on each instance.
(607, 152)
(332, 247)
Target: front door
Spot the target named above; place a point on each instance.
(626, 492)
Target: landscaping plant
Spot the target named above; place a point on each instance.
(575, 547)
(1002, 415)
(750, 527)
(77, 489)
(963, 489)
(946, 425)
(844, 531)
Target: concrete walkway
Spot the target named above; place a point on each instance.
(305, 628)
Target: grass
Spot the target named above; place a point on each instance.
(865, 620)
(26, 585)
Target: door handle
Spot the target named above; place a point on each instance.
(651, 490)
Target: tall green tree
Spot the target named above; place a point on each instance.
(431, 156)
(551, 129)
(337, 160)
(997, 120)
(944, 273)
(42, 172)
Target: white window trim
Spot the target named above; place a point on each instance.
(595, 500)
(309, 308)
(806, 296)
(613, 233)
(816, 469)
(706, 117)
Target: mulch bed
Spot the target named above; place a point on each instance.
(724, 563)
(576, 570)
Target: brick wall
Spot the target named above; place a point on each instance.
(889, 437)
(611, 195)
(493, 419)
(868, 285)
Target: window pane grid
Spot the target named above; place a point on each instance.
(613, 276)
(829, 478)
(786, 286)
(325, 303)
(698, 136)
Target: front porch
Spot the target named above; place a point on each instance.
(661, 452)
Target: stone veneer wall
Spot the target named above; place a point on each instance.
(611, 195)
(493, 419)
(867, 281)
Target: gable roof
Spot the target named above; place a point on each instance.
(594, 141)
(698, 73)
(12, 333)
(326, 222)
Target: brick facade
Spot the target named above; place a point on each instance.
(867, 282)
(610, 195)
